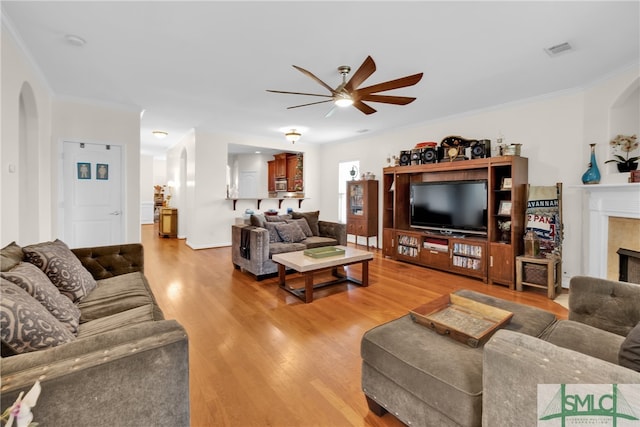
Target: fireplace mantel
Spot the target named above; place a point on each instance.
(605, 200)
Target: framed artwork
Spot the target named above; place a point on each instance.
(102, 171)
(506, 184)
(84, 170)
(505, 207)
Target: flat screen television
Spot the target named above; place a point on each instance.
(450, 207)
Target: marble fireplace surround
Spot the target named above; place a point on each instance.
(604, 201)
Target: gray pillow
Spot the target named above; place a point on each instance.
(274, 237)
(312, 220)
(257, 220)
(10, 256)
(30, 278)
(26, 325)
(303, 224)
(290, 233)
(62, 267)
(629, 354)
(277, 218)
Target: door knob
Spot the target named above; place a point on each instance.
(115, 213)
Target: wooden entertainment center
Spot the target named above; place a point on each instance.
(491, 258)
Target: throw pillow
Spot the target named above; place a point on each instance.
(312, 220)
(257, 220)
(26, 325)
(30, 278)
(303, 224)
(277, 218)
(629, 354)
(290, 233)
(10, 256)
(62, 267)
(274, 237)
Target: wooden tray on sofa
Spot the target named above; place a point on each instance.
(465, 320)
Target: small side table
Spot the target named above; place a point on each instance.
(553, 274)
(168, 225)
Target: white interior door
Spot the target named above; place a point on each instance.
(92, 194)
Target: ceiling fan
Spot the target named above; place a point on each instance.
(348, 93)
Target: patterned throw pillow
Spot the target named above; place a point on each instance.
(274, 237)
(290, 233)
(37, 284)
(62, 267)
(26, 324)
(312, 220)
(303, 224)
(629, 353)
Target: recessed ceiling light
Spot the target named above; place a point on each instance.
(160, 134)
(74, 40)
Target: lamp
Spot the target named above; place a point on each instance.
(292, 136)
(160, 134)
(343, 100)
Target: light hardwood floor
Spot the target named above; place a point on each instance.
(261, 357)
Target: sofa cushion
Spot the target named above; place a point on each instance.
(317, 242)
(281, 248)
(312, 220)
(274, 237)
(117, 321)
(585, 339)
(303, 224)
(116, 295)
(10, 256)
(290, 233)
(26, 325)
(257, 220)
(629, 354)
(277, 218)
(30, 278)
(62, 267)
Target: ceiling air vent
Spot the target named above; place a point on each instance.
(558, 49)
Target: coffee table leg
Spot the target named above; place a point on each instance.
(308, 287)
(282, 274)
(365, 273)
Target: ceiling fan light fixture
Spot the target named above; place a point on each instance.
(344, 100)
(160, 134)
(292, 136)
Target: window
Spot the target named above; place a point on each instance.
(344, 175)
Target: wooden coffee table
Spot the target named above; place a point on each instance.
(307, 266)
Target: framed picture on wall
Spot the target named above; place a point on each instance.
(102, 171)
(505, 208)
(84, 170)
(506, 184)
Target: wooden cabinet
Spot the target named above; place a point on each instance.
(362, 209)
(281, 165)
(168, 223)
(271, 176)
(491, 257)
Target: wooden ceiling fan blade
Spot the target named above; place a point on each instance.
(299, 93)
(364, 107)
(311, 103)
(311, 75)
(391, 84)
(387, 99)
(363, 73)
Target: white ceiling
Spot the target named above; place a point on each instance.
(207, 64)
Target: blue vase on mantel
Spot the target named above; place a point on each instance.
(592, 175)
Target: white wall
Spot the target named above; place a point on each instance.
(205, 216)
(16, 71)
(80, 121)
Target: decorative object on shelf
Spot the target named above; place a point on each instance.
(292, 136)
(368, 175)
(454, 147)
(505, 208)
(531, 244)
(353, 172)
(592, 174)
(506, 183)
(512, 149)
(626, 144)
(505, 231)
(634, 176)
